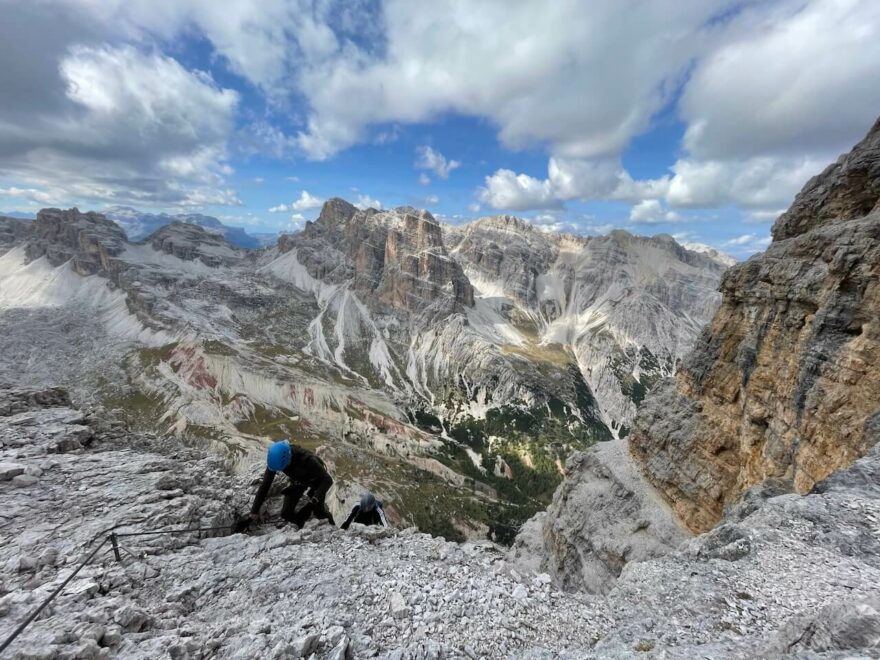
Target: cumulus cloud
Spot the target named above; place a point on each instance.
(652, 212)
(567, 179)
(553, 88)
(110, 123)
(429, 159)
(431, 200)
(367, 202)
(762, 216)
(424, 179)
(759, 182)
(305, 202)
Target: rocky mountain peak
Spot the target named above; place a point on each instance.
(336, 212)
(90, 240)
(847, 189)
(189, 242)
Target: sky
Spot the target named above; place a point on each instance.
(697, 118)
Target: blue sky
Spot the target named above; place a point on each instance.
(698, 118)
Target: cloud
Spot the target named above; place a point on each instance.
(517, 192)
(109, 123)
(367, 202)
(759, 182)
(424, 179)
(788, 78)
(567, 179)
(428, 159)
(32, 194)
(652, 212)
(554, 88)
(762, 216)
(431, 200)
(305, 202)
(747, 244)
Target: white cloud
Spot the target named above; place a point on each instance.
(305, 202)
(762, 216)
(567, 179)
(297, 222)
(424, 179)
(429, 159)
(367, 202)
(787, 76)
(517, 192)
(431, 200)
(759, 182)
(652, 212)
(474, 207)
(32, 194)
(123, 126)
(543, 77)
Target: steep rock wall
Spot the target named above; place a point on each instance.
(783, 384)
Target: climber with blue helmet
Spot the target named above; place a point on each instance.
(368, 511)
(307, 474)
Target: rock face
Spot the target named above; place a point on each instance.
(603, 516)
(12, 232)
(624, 307)
(88, 240)
(188, 242)
(279, 592)
(396, 258)
(783, 384)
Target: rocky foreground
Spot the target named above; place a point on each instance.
(781, 575)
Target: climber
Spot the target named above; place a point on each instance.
(367, 512)
(306, 473)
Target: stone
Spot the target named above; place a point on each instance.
(9, 470)
(399, 608)
(303, 647)
(341, 651)
(24, 480)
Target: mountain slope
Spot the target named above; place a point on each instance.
(785, 577)
(373, 335)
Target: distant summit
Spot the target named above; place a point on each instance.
(138, 225)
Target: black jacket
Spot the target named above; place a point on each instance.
(304, 468)
(374, 517)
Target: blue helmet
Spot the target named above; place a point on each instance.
(278, 457)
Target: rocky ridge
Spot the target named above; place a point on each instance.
(323, 593)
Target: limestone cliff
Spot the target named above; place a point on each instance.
(783, 384)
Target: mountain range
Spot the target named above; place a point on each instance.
(138, 225)
(449, 368)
